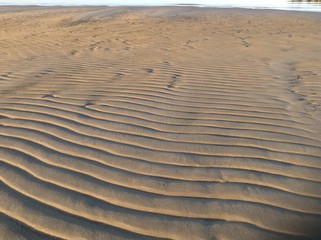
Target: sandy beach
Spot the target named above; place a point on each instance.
(159, 123)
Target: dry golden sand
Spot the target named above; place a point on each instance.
(159, 123)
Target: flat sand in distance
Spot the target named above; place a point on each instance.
(159, 123)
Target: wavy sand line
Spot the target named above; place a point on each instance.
(75, 113)
(219, 194)
(117, 176)
(102, 142)
(90, 213)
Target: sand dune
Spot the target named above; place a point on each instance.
(159, 123)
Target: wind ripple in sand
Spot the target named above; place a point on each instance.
(145, 124)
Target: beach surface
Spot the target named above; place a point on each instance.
(159, 123)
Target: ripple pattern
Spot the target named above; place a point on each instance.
(120, 123)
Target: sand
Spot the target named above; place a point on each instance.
(159, 123)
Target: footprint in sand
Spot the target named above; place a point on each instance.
(245, 43)
(119, 74)
(149, 70)
(48, 96)
(173, 81)
(73, 52)
(89, 103)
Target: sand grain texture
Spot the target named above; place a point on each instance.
(159, 123)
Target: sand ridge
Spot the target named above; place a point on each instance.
(159, 123)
